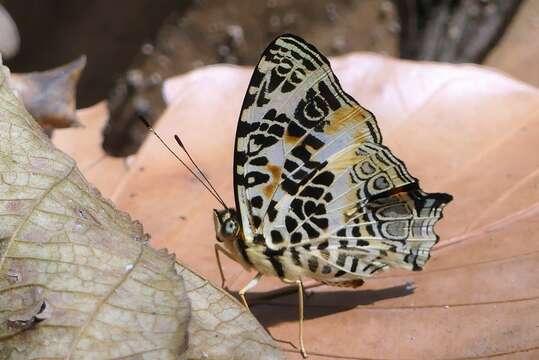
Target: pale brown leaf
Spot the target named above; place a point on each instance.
(221, 328)
(10, 40)
(77, 278)
(466, 130)
(50, 96)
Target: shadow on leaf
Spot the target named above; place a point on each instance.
(281, 305)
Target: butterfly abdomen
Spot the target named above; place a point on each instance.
(267, 261)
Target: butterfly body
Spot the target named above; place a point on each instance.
(256, 256)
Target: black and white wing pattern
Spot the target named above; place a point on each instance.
(318, 193)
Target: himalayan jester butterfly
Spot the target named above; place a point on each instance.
(317, 193)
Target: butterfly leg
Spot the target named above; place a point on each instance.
(218, 249)
(299, 283)
(248, 287)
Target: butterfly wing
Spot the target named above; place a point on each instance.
(318, 193)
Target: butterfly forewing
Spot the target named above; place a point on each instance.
(318, 193)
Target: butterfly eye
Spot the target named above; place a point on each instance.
(230, 227)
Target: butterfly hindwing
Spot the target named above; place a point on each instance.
(317, 191)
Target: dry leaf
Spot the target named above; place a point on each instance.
(78, 280)
(465, 130)
(50, 96)
(10, 40)
(513, 53)
(68, 254)
(221, 328)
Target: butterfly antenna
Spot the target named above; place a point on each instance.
(180, 143)
(215, 195)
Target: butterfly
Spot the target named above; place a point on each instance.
(317, 194)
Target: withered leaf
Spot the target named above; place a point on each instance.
(74, 282)
(50, 96)
(221, 328)
(77, 279)
(10, 40)
(463, 129)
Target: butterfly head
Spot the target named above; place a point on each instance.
(227, 226)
